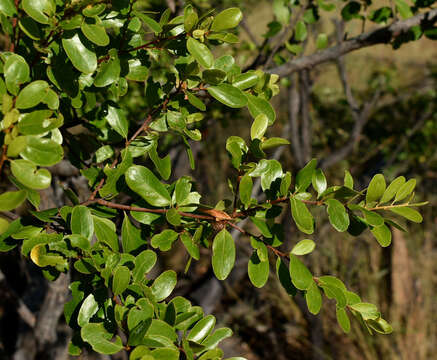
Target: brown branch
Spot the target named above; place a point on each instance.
(383, 35)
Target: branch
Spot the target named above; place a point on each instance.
(378, 36)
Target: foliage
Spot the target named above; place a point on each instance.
(72, 64)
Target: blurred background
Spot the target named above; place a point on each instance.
(371, 111)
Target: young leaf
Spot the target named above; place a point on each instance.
(259, 127)
(200, 52)
(392, 189)
(228, 95)
(305, 175)
(383, 234)
(343, 319)
(227, 19)
(338, 216)
(313, 298)
(319, 181)
(223, 254)
(82, 222)
(408, 213)
(202, 329)
(258, 105)
(405, 190)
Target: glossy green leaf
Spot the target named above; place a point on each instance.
(302, 216)
(27, 173)
(202, 329)
(246, 80)
(82, 58)
(190, 245)
(274, 142)
(144, 262)
(228, 95)
(95, 33)
(99, 338)
(380, 325)
(258, 270)
(151, 24)
(313, 298)
(164, 285)
(88, 308)
(223, 254)
(348, 180)
(405, 190)
(7, 7)
(383, 234)
(142, 181)
(259, 127)
(38, 122)
(137, 71)
(196, 102)
(39, 10)
(42, 151)
(213, 76)
(82, 222)
(213, 340)
(164, 240)
(301, 277)
(16, 72)
(131, 238)
(10, 200)
(106, 232)
(269, 170)
(190, 18)
(338, 216)
(319, 181)
(32, 94)
(258, 105)
(121, 280)
(305, 175)
(303, 247)
(116, 118)
(227, 19)
(108, 72)
(376, 188)
(408, 213)
(367, 310)
(200, 52)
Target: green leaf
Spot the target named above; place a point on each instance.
(258, 270)
(10, 200)
(348, 180)
(151, 24)
(116, 118)
(367, 310)
(4, 224)
(228, 95)
(302, 216)
(88, 308)
(313, 299)
(227, 19)
(190, 245)
(200, 52)
(372, 217)
(258, 105)
(303, 247)
(131, 238)
(380, 325)
(202, 329)
(38, 122)
(319, 181)
(16, 72)
(142, 181)
(405, 190)
(245, 189)
(301, 277)
(305, 175)
(164, 285)
(121, 280)
(99, 339)
(383, 234)
(137, 71)
(144, 262)
(335, 292)
(82, 58)
(246, 80)
(94, 10)
(162, 165)
(376, 188)
(32, 94)
(259, 127)
(7, 7)
(300, 31)
(269, 170)
(213, 340)
(82, 221)
(39, 10)
(338, 216)
(274, 142)
(27, 173)
(95, 33)
(196, 102)
(108, 72)
(283, 274)
(322, 41)
(408, 213)
(392, 189)
(42, 151)
(190, 18)
(164, 240)
(213, 76)
(343, 319)
(223, 254)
